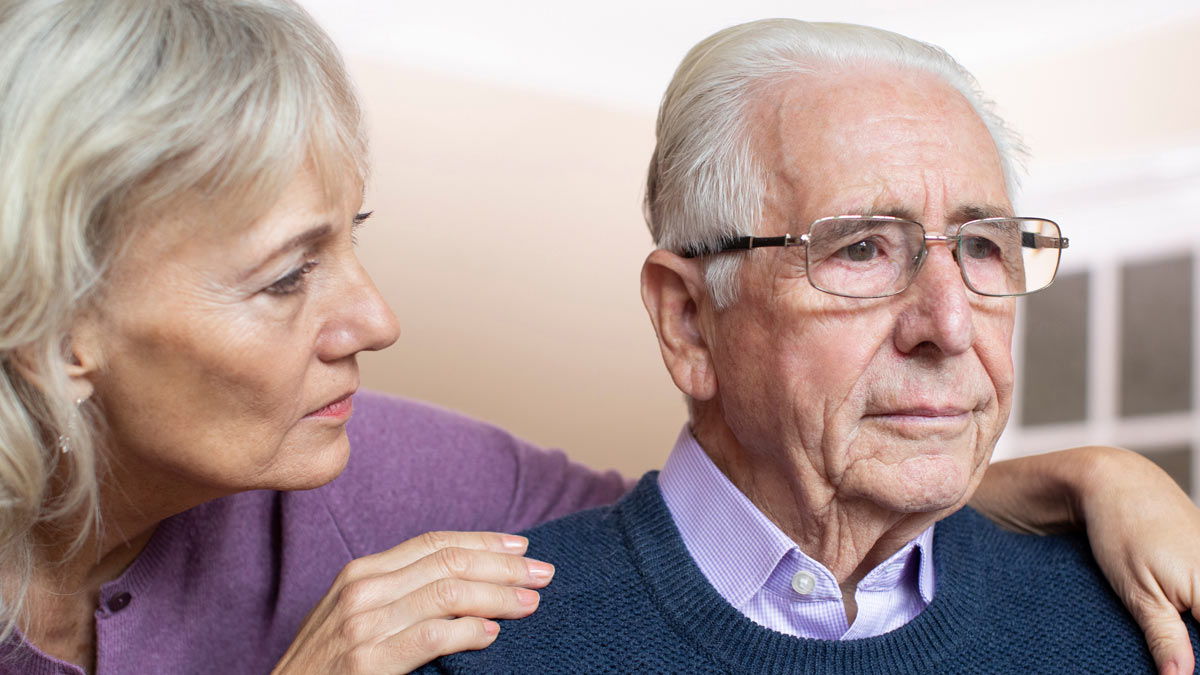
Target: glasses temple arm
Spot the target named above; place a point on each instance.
(1032, 240)
(740, 244)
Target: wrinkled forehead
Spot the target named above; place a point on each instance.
(150, 228)
(875, 139)
(242, 196)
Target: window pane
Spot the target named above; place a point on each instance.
(1156, 337)
(1054, 369)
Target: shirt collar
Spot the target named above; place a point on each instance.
(738, 548)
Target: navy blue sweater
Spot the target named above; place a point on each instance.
(627, 598)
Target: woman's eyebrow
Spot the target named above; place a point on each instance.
(303, 239)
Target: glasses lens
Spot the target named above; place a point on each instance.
(1009, 256)
(864, 257)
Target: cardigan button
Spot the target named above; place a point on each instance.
(804, 582)
(119, 602)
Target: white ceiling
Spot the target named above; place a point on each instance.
(622, 52)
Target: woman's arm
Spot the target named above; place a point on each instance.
(1143, 530)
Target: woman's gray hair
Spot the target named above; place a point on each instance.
(705, 183)
(112, 111)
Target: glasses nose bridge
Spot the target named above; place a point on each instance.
(947, 239)
(951, 241)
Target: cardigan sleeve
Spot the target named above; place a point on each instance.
(415, 467)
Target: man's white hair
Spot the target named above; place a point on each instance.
(705, 183)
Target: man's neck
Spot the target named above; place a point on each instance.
(850, 537)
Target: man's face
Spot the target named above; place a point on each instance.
(897, 401)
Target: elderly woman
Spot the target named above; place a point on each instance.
(180, 311)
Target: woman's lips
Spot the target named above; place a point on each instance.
(339, 409)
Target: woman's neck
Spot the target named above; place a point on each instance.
(64, 590)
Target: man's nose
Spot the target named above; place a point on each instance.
(360, 319)
(938, 310)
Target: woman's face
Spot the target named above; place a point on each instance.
(224, 354)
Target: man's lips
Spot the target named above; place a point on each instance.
(922, 411)
(922, 423)
(340, 408)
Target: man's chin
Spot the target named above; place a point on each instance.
(934, 484)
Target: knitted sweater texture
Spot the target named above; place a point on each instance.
(627, 598)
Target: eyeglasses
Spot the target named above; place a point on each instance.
(879, 256)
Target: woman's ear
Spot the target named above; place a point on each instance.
(83, 353)
(79, 357)
(673, 291)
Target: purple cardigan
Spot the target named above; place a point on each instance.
(222, 588)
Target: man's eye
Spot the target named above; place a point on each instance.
(860, 252)
(292, 282)
(979, 247)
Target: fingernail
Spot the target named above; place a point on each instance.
(539, 571)
(514, 543)
(1170, 668)
(491, 627)
(526, 596)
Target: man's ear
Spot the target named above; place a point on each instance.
(673, 291)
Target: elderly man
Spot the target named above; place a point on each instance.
(847, 379)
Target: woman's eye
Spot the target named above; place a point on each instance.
(292, 282)
(359, 220)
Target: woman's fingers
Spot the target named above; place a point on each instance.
(451, 598)
(1166, 636)
(430, 596)
(425, 641)
(407, 553)
(446, 576)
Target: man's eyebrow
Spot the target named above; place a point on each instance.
(964, 213)
(960, 215)
(300, 240)
(893, 211)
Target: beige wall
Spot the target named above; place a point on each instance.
(508, 239)
(1125, 96)
(508, 235)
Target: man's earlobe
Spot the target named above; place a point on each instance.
(673, 292)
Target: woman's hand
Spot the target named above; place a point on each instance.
(1145, 534)
(1143, 529)
(432, 595)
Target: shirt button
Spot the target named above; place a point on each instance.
(804, 583)
(119, 602)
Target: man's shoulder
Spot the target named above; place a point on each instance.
(597, 615)
(1046, 592)
(1027, 551)
(1058, 567)
(588, 550)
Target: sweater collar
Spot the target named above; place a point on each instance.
(699, 615)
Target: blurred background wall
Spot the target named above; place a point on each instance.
(509, 146)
